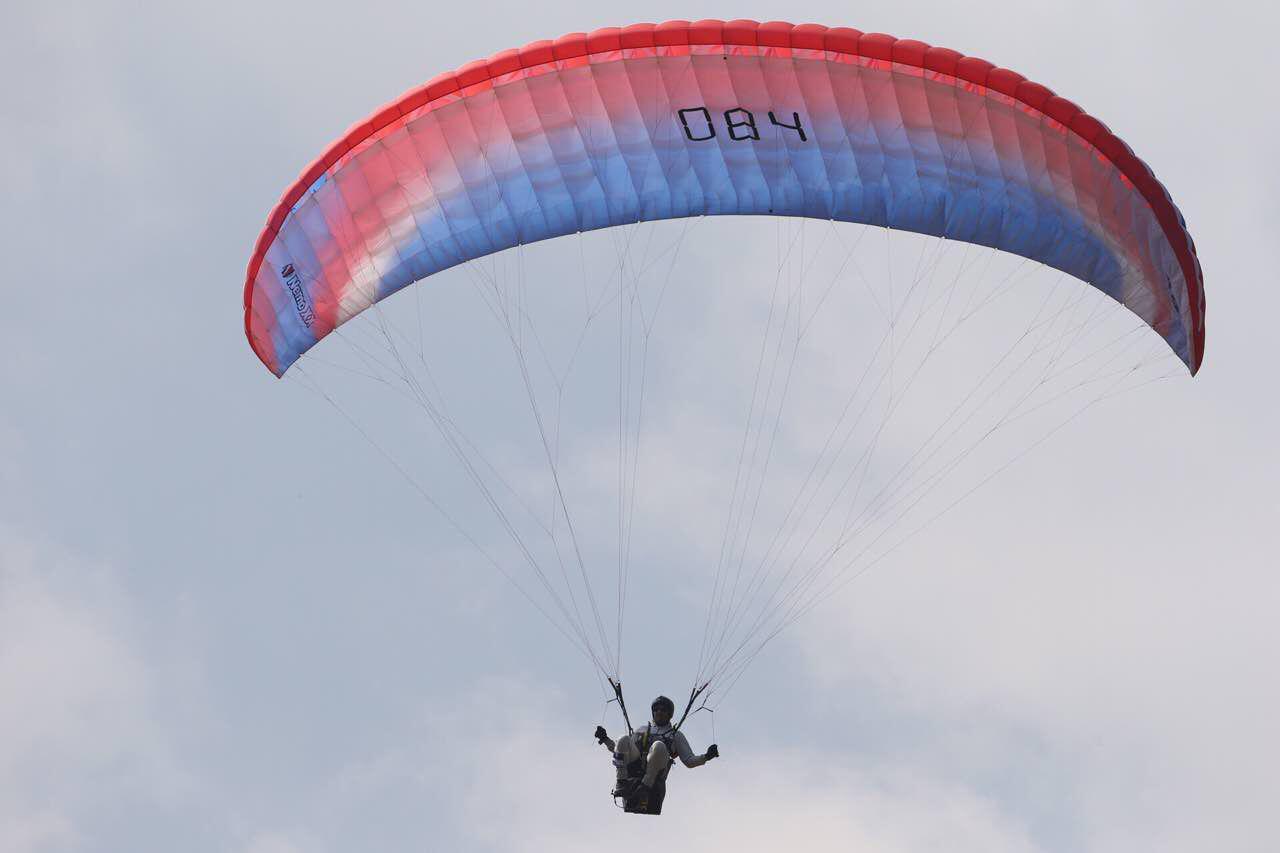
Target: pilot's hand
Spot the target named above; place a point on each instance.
(601, 734)
(713, 751)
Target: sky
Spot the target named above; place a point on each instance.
(227, 624)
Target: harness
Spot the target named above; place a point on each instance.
(629, 785)
(644, 743)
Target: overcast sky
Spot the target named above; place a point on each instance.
(226, 624)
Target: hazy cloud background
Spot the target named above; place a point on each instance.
(214, 637)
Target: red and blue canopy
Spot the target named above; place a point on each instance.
(685, 119)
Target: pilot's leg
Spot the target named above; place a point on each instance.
(656, 796)
(624, 754)
(659, 758)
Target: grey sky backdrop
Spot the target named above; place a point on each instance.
(226, 626)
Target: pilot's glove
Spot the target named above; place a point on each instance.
(601, 734)
(713, 751)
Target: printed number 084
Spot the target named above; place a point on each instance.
(740, 123)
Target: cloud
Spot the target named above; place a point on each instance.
(497, 769)
(77, 715)
(505, 771)
(272, 842)
(36, 829)
(1107, 661)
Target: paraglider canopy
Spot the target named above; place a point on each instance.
(681, 119)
